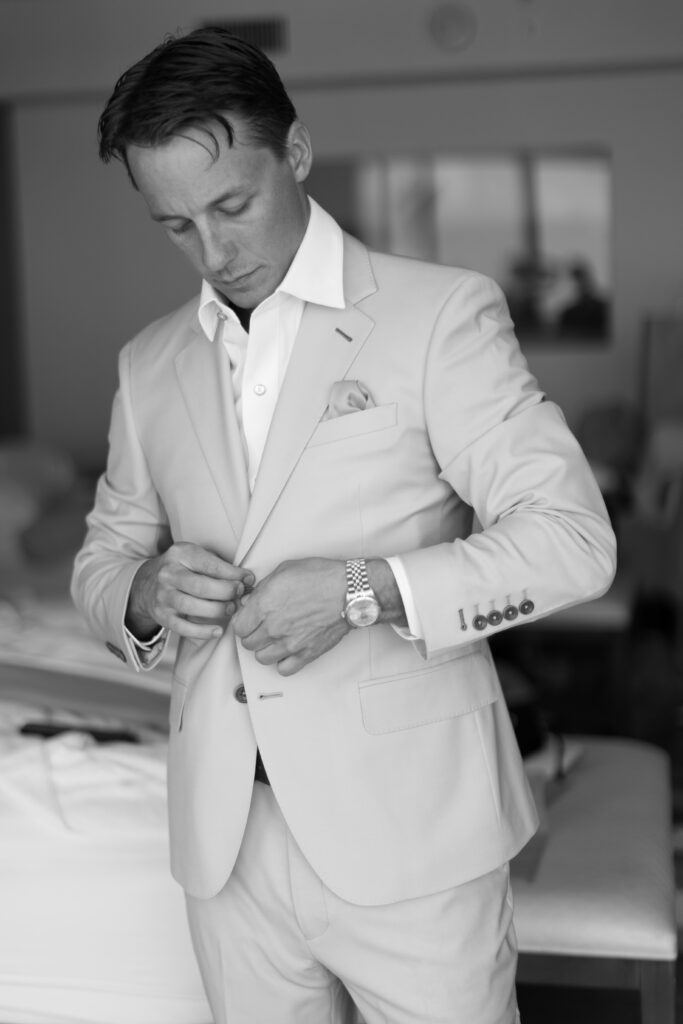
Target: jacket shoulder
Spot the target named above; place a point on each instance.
(167, 335)
(388, 266)
(406, 279)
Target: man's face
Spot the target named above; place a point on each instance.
(238, 217)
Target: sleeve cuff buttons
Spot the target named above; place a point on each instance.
(509, 613)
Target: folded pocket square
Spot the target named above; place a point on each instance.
(348, 396)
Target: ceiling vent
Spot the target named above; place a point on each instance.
(269, 34)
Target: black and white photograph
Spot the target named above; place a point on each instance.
(341, 511)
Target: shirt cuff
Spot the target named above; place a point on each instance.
(414, 630)
(148, 651)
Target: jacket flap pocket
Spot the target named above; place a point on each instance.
(379, 417)
(448, 690)
(177, 705)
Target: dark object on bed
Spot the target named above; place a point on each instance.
(101, 734)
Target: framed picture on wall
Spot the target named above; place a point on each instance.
(538, 223)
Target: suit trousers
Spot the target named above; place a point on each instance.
(276, 946)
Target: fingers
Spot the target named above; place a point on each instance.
(194, 630)
(194, 585)
(257, 635)
(191, 591)
(198, 627)
(292, 615)
(247, 620)
(288, 666)
(287, 662)
(268, 652)
(174, 605)
(206, 565)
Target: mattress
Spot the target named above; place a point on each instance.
(92, 926)
(47, 632)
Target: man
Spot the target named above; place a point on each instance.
(295, 462)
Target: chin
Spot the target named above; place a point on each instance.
(248, 296)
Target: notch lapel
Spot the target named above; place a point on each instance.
(204, 375)
(328, 342)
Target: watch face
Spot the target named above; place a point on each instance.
(362, 611)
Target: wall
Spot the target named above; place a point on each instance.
(78, 46)
(94, 269)
(634, 115)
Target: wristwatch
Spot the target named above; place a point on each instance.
(361, 607)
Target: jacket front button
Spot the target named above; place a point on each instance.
(241, 695)
(494, 617)
(510, 612)
(480, 622)
(526, 607)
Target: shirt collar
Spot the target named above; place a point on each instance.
(316, 274)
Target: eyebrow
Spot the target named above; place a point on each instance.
(222, 198)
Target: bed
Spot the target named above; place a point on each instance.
(92, 927)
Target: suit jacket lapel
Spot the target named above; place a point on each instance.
(327, 344)
(204, 376)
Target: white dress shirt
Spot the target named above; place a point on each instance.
(259, 359)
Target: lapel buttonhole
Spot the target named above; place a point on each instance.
(343, 334)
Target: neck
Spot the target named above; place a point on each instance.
(243, 315)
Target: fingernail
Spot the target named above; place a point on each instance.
(217, 632)
(239, 589)
(249, 579)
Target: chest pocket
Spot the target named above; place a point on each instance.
(352, 424)
(444, 691)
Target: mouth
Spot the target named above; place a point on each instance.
(235, 282)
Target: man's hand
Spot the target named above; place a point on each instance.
(188, 590)
(294, 614)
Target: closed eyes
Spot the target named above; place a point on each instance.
(181, 229)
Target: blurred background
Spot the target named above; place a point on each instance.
(537, 141)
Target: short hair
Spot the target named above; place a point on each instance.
(194, 80)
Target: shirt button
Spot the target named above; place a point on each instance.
(259, 389)
(510, 612)
(480, 622)
(495, 617)
(526, 607)
(221, 315)
(241, 695)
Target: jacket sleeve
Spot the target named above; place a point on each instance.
(545, 541)
(127, 525)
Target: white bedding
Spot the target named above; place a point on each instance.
(48, 632)
(92, 927)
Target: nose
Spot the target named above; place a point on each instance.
(217, 250)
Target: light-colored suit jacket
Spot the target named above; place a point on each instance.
(394, 762)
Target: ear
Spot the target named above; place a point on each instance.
(299, 151)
